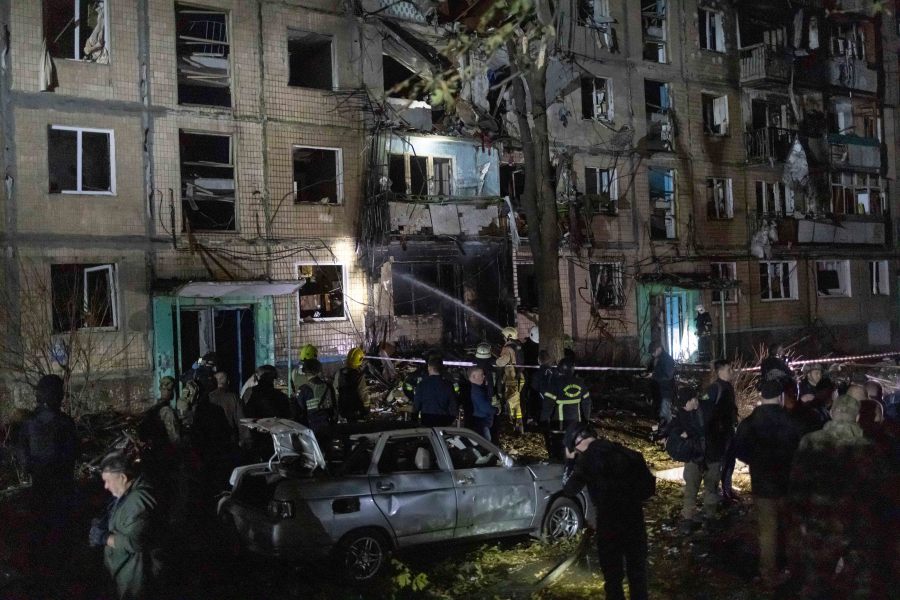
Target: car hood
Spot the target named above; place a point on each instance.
(291, 439)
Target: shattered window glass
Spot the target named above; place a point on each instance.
(83, 295)
(76, 29)
(322, 294)
(407, 454)
(207, 182)
(309, 60)
(606, 284)
(468, 453)
(204, 56)
(317, 176)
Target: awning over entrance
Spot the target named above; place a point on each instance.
(237, 289)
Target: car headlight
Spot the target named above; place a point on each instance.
(281, 509)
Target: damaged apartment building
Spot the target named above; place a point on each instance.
(247, 176)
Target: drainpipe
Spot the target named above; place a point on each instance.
(722, 311)
(290, 325)
(178, 338)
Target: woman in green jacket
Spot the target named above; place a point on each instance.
(130, 544)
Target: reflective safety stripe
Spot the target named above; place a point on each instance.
(561, 404)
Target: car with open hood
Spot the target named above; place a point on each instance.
(385, 490)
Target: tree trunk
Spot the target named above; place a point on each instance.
(539, 200)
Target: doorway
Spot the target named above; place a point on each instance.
(227, 331)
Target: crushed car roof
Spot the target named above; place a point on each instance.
(290, 439)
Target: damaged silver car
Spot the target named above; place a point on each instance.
(390, 490)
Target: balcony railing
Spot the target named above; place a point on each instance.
(761, 63)
(850, 230)
(852, 73)
(854, 152)
(769, 144)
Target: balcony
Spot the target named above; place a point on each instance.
(769, 144)
(854, 152)
(853, 74)
(764, 67)
(850, 230)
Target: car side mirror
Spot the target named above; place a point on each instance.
(507, 461)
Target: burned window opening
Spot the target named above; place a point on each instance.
(654, 23)
(833, 278)
(207, 182)
(81, 161)
(526, 286)
(400, 81)
(411, 283)
(420, 175)
(512, 183)
(76, 29)
(203, 49)
(778, 280)
(310, 62)
(322, 294)
(658, 108)
(83, 296)
(601, 190)
(317, 175)
(774, 199)
(606, 285)
(719, 199)
(662, 204)
(724, 271)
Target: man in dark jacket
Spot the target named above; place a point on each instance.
(568, 401)
(621, 533)
(264, 402)
(766, 441)
(482, 408)
(663, 375)
(689, 424)
(720, 411)
(434, 397)
(814, 391)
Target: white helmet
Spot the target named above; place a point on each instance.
(534, 335)
(483, 350)
(509, 333)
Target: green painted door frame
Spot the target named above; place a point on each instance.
(680, 304)
(165, 337)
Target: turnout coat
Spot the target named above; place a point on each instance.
(132, 563)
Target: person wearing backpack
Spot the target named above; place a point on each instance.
(686, 442)
(618, 482)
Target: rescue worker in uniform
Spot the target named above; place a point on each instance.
(513, 381)
(307, 352)
(568, 401)
(316, 399)
(352, 390)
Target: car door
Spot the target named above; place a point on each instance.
(413, 488)
(490, 497)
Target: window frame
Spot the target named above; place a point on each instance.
(846, 186)
(879, 278)
(792, 280)
(718, 39)
(595, 7)
(111, 134)
(769, 193)
(339, 174)
(112, 272)
(594, 114)
(476, 439)
(228, 42)
(436, 468)
(647, 41)
(78, 49)
(344, 284)
(234, 174)
(845, 279)
(731, 294)
(712, 207)
(709, 110)
(609, 195)
(671, 211)
(429, 172)
(618, 283)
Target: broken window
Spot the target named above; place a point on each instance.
(767, 113)
(654, 24)
(593, 13)
(322, 294)
(658, 107)
(400, 81)
(415, 286)
(715, 114)
(601, 190)
(207, 182)
(317, 175)
(857, 194)
(606, 285)
(81, 160)
(712, 30)
(662, 204)
(83, 296)
(420, 175)
(774, 199)
(833, 278)
(526, 286)
(719, 199)
(309, 60)
(848, 40)
(878, 278)
(724, 272)
(778, 280)
(596, 98)
(203, 49)
(76, 29)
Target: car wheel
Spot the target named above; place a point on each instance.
(564, 519)
(363, 554)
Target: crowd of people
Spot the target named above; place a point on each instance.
(822, 455)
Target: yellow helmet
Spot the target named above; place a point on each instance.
(355, 358)
(308, 352)
(509, 333)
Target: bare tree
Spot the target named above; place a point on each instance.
(61, 323)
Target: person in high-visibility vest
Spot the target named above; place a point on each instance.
(513, 383)
(567, 401)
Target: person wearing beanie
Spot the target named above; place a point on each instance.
(837, 483)
(766, 441)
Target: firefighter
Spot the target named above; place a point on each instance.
(353, 392)
(315, 398)
(307, 352)
(567, 401)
